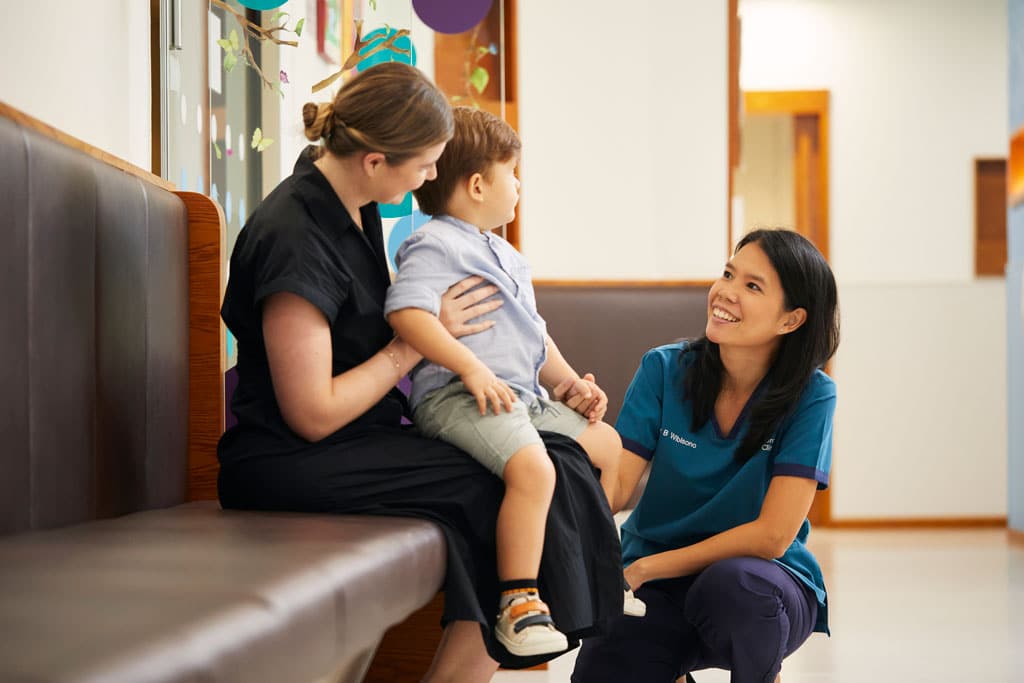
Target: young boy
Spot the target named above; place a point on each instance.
(502, 368)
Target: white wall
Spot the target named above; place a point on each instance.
(623, 116)
(921, 419)
(84, 68)
(304, 68)
(918, 89)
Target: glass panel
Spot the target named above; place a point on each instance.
(235, 114)
(246, 88)
(185, 147)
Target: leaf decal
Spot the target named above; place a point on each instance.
(479, 79)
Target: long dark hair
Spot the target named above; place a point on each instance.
(808, 283)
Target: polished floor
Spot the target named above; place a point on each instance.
(906, 606)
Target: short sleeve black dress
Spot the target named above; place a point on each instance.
(302, 240)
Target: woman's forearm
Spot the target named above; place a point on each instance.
(353, 392)
(753, 539)
(783, 512)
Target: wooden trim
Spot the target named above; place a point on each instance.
(60, 136)
(990, 253)
(733, 114)
(919, 523)
(1015, 536)
(1015, 169)
(622, 283)
(207, 363)
(824, 193)
(156, 96)
(802, 103)
(510, 47)
(785, 101)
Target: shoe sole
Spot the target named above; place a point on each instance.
(544, 648)
(635, 612)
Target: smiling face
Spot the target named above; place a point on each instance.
(746, 305)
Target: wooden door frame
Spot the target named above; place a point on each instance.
(800, 103)
(813, 103)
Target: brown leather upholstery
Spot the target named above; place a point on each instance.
(94, 338)
(606, 330)
(94, 341)
(194, 593)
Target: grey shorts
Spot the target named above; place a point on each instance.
(451, 414)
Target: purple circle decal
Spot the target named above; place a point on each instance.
(451, 16)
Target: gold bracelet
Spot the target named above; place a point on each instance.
(393, 357)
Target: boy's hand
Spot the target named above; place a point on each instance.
(486, 387)
(584, 396)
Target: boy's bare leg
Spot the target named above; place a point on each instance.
(604, 446)
(529, 484)
(524, 623)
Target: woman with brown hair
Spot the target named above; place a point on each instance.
(318, 412)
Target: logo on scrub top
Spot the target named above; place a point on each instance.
(767, 445)
(678, 439)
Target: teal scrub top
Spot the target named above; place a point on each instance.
(697, 487)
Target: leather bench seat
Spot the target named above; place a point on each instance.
(194, 593)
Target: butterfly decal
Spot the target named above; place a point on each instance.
(260, 143)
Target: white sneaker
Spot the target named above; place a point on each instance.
(525, 628)
(633, 606)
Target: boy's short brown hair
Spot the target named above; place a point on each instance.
(481, 140)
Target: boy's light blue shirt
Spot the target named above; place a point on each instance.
(441, 253)
(697, 488)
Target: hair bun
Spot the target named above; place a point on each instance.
(309, 111)
(318, 119)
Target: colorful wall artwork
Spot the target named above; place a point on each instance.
(328, 30)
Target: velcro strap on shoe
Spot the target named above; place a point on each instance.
(534, 620)
(518, 610)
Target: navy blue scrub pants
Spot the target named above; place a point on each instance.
(743, 614)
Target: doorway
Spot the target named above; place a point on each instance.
(781, 180)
